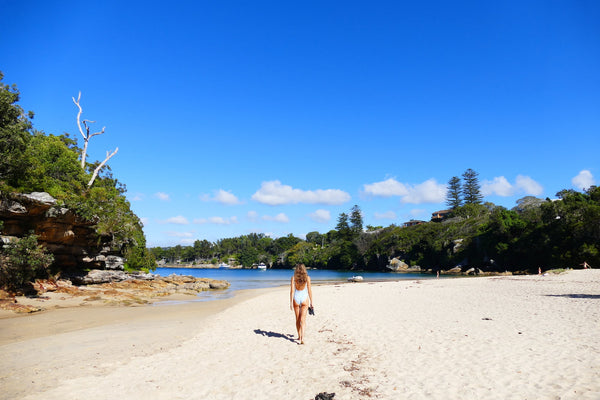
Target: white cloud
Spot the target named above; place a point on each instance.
(274, 193)
(320, 216)
(179, 234)
(500, 186)
(217, 220)
(387, 188)
(223, 197)
(583, 180)
(427, 192)
(144, 221)
(178, 220)
(386, 215)
(162, 196)
(529, 186)
(281, 217)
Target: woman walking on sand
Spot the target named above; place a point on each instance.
(300, 298)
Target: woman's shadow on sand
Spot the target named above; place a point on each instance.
(275, 335)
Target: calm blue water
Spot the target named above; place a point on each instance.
(241, 279)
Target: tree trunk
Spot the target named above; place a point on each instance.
(86, 136)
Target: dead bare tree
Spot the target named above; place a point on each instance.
(86, 138)
(99, 167)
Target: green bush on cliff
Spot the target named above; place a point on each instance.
(21, 261)
(31, 161)
(15, 128)
(52, 167)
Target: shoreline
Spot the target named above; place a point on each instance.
(68, 317)
(200, 266)
(510, 337)
(53, 301)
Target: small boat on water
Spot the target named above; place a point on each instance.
(223, 266)
(356, 278)
(262, 267)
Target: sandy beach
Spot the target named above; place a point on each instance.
(513, 337)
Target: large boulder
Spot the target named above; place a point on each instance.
(397, 265)
(97, 276)
(219, 285)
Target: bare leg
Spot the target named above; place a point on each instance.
(302, 321)
(297, 313)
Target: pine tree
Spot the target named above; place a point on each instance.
(471, 188)
(343, 227)
(356, 220)
(454, 194)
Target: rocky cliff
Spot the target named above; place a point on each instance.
(73, 241)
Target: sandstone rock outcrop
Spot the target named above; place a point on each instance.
(397, 265)
(73, 241)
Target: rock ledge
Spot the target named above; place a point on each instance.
(112, 288)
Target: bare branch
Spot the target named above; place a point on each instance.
(86, 138)
(79, 122)
(87, 129)
(97, 133)
(99, 167)
(79, 114)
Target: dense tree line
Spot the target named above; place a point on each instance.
(32, 161)
(536, 233)
(246, 250)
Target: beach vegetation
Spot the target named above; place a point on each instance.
(22, 260)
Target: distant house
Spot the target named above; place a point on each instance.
(412, 222)
(441, 215)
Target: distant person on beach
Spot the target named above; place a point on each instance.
(585, 265)
(300, 298)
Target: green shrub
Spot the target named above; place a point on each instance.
(22, 261)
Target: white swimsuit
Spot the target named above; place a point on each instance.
(300, 295)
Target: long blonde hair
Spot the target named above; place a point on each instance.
(300, 274)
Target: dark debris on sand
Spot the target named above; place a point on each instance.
(324, 396)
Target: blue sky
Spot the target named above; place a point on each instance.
(268, 116)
